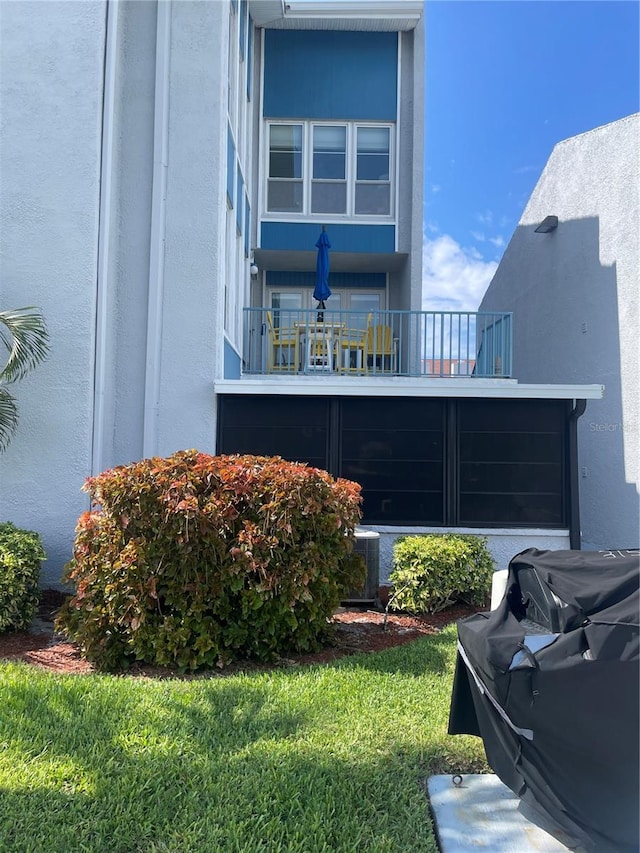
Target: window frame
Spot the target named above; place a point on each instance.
(351, 165)
(307, 302)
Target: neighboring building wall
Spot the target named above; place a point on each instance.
(575, 296)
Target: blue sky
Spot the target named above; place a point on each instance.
(505, 81)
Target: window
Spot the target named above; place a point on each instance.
(336, 169)
(250, 58)
(239, 198)
(373, 187)
(247, 225)
(329, 183)
(231, 162)
(232, 63)
(285, 168)
(243, 26)
(342, 299)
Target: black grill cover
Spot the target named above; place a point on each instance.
(550, 681)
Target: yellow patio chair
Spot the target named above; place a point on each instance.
(381, 349)
(283, 353)
(352, 349)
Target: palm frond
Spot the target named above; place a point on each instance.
(8, 418)
(23, 332)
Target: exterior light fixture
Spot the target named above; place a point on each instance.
(253, 269)
(548, 224)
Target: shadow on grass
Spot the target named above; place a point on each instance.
(259, 801)
(244, 765)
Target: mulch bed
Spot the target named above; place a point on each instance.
(357, 630)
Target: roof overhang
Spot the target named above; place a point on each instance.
(373, 15)
(400, 386)
(305, 261)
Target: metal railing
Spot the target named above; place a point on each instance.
(359, 343)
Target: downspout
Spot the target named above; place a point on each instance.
(104, 231)
(158, 227)
(574, 483)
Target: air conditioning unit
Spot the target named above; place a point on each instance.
(368, 545)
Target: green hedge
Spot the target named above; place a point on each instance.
(21, 554)
(433, 572)
(195, 560)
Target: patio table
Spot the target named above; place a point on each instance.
(319, 340)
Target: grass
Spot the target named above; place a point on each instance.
(322, 759)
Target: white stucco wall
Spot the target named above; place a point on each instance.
(192, 258)
(51, 68)
(405, 288)
(116, 229)
(112, 219)
(123, 273)
(575, 296)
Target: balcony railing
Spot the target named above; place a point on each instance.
(379, 343)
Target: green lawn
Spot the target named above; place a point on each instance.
(323, 759)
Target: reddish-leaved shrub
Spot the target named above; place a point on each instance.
(195, 560)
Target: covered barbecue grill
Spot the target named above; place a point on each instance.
(549, 680)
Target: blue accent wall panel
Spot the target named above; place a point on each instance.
(231, 362)
(301, 236)
(330, 75)
(288, 278)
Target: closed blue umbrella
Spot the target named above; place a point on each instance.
(321, 291)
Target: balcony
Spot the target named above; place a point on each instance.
(279, 342)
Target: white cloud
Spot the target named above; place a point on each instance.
(435, 188)
(479, 236)
(497, 241)
(454, 278)
(522, 170)
(485, 218)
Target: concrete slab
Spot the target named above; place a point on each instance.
(481, 813)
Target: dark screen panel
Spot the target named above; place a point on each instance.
(511, 462)
(394, 447)
(506, 468)
(273, 411)
(385, 475)
(499, 446)
(495, 416)
(397, 444)
(509, 477)
(390, 507)
(515, 510)
(392, 413)
(295, 428)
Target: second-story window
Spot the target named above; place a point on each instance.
(329, 178)
(336, 169)
(284, 193)
(373, 186)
